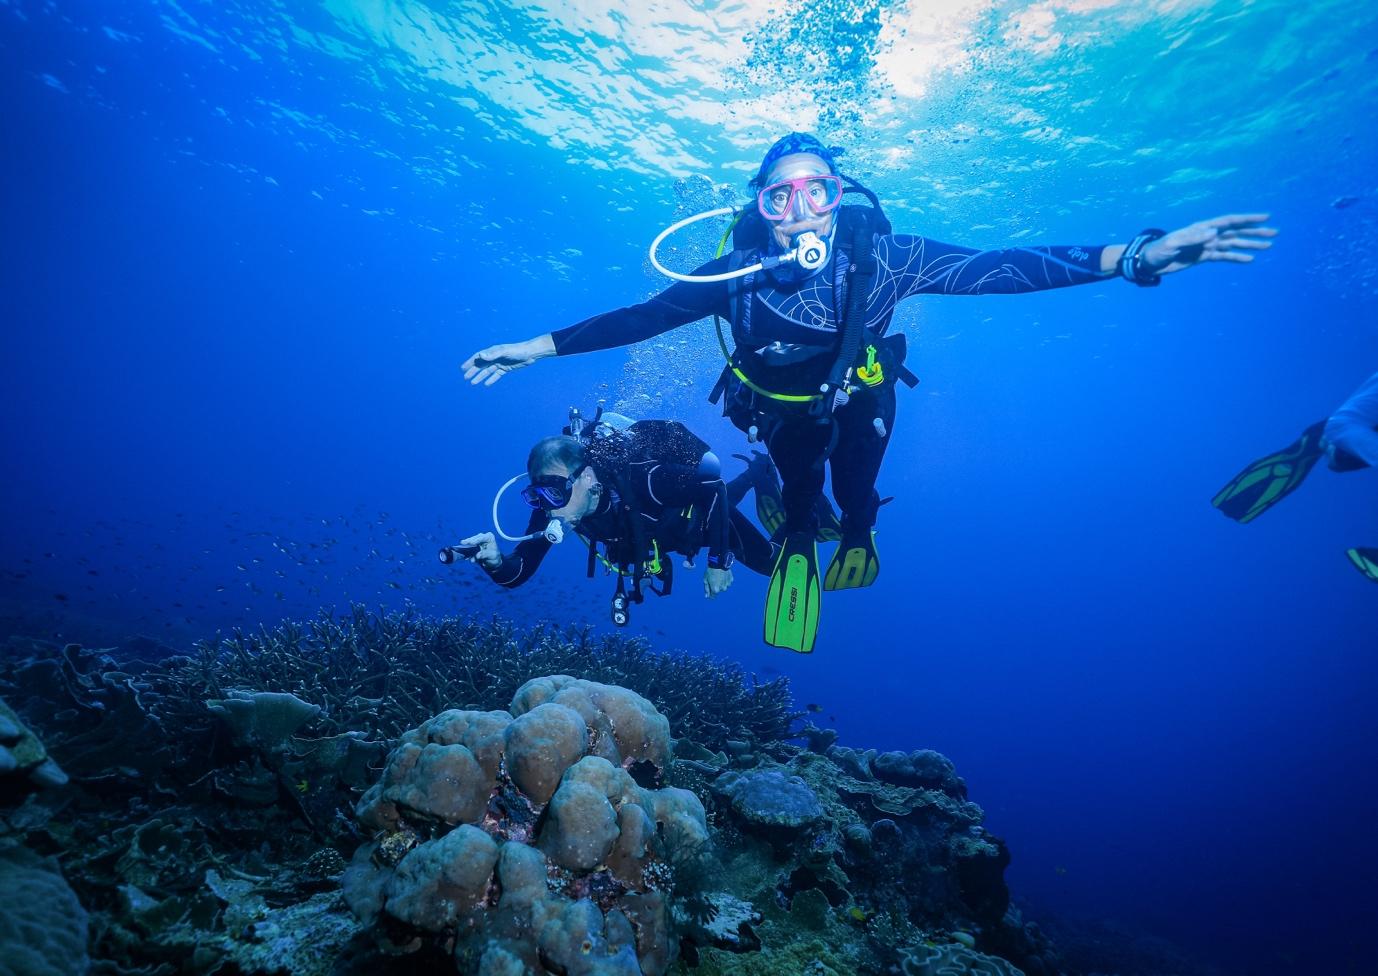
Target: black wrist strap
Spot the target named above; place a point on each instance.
(1130, 265)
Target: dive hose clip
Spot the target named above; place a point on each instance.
(872, 373)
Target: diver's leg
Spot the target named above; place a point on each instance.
(857, 457)
(855, 465)
(738, 487)
(796, 446)
(759, 473)
(1351, 433)
(1351, 445)
(753, 550)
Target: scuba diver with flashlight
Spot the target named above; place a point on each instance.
(808, 288)
(635, 493)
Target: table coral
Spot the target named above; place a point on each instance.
(926, 959)
(263, 718)
(771, 802)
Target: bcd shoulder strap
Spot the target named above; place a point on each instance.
(738, 316)
(861, 276)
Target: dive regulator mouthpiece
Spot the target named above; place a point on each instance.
(553, 532)
(809, 251)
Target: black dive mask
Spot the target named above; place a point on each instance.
(550, 491)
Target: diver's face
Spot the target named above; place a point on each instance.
(583, 494)
(796, 166)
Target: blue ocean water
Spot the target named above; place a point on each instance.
(247, 246)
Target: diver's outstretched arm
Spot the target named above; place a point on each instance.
(1227, 238)
(677, 305)
(487, 366)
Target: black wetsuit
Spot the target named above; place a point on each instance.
(681, 508)
(798, 326)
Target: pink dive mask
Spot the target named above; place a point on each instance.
(802, 197)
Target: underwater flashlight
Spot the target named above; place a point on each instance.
(450, 553)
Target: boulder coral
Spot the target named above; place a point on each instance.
(523, 838)
(623, 727)
(43, 927)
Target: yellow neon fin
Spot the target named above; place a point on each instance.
(855, 564)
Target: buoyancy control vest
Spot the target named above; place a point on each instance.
(639, 554)
(865, 357)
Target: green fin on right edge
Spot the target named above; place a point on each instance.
(792, 602)
(1270, 479)
(1365, 560)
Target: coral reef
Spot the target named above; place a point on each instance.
(42, 925)
(953, 959)
(521, 838)
(384, 794)
(769, 802)
(922, 768)
(373, 674)
(265, 719)
(376, 673)
(22, 755)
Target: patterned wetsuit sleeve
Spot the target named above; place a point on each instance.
(521, 563)
(681, 303)
(918, 265)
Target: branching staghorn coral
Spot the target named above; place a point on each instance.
(376, 673)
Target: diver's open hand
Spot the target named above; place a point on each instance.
(1228, 238)
(487, 366)
(716, 581)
